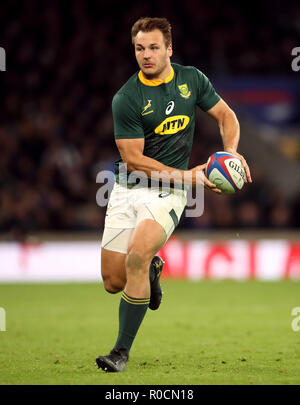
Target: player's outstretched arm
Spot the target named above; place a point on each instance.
(230, 131)
(131, 151)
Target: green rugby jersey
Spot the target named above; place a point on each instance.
(162, 112)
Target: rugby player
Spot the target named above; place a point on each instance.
(154, 120)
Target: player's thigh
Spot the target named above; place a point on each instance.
(119, 224)
(146, 240)
(113, 254)
(164, 208)
(113, 270)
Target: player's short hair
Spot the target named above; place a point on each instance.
(148, 24)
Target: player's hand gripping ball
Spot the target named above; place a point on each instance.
(226, 172)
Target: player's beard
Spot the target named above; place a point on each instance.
(156, 74)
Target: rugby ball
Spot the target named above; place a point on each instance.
(226, 172)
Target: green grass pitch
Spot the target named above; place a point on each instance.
(212, 332)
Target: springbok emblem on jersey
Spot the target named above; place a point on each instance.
(144, 112)
(184, 91)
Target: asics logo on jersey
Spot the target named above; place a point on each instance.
(170, 107)
(145, 112)
(172, 125)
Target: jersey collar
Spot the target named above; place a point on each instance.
(155, 82)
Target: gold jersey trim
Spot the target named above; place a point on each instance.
(155, 82)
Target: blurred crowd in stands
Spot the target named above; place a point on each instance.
(65, 61)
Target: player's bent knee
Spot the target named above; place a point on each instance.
(113, 287)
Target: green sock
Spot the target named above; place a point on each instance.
(131, 314)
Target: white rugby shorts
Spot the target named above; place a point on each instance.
(127, 207)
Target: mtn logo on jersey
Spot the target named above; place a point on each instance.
(184, 91)
(172, 125)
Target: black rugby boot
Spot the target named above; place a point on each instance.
(115, 361)
(156, 293)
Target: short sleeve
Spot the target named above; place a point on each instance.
(126, 117)
(207, 97)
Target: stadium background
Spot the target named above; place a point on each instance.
(65, 60)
